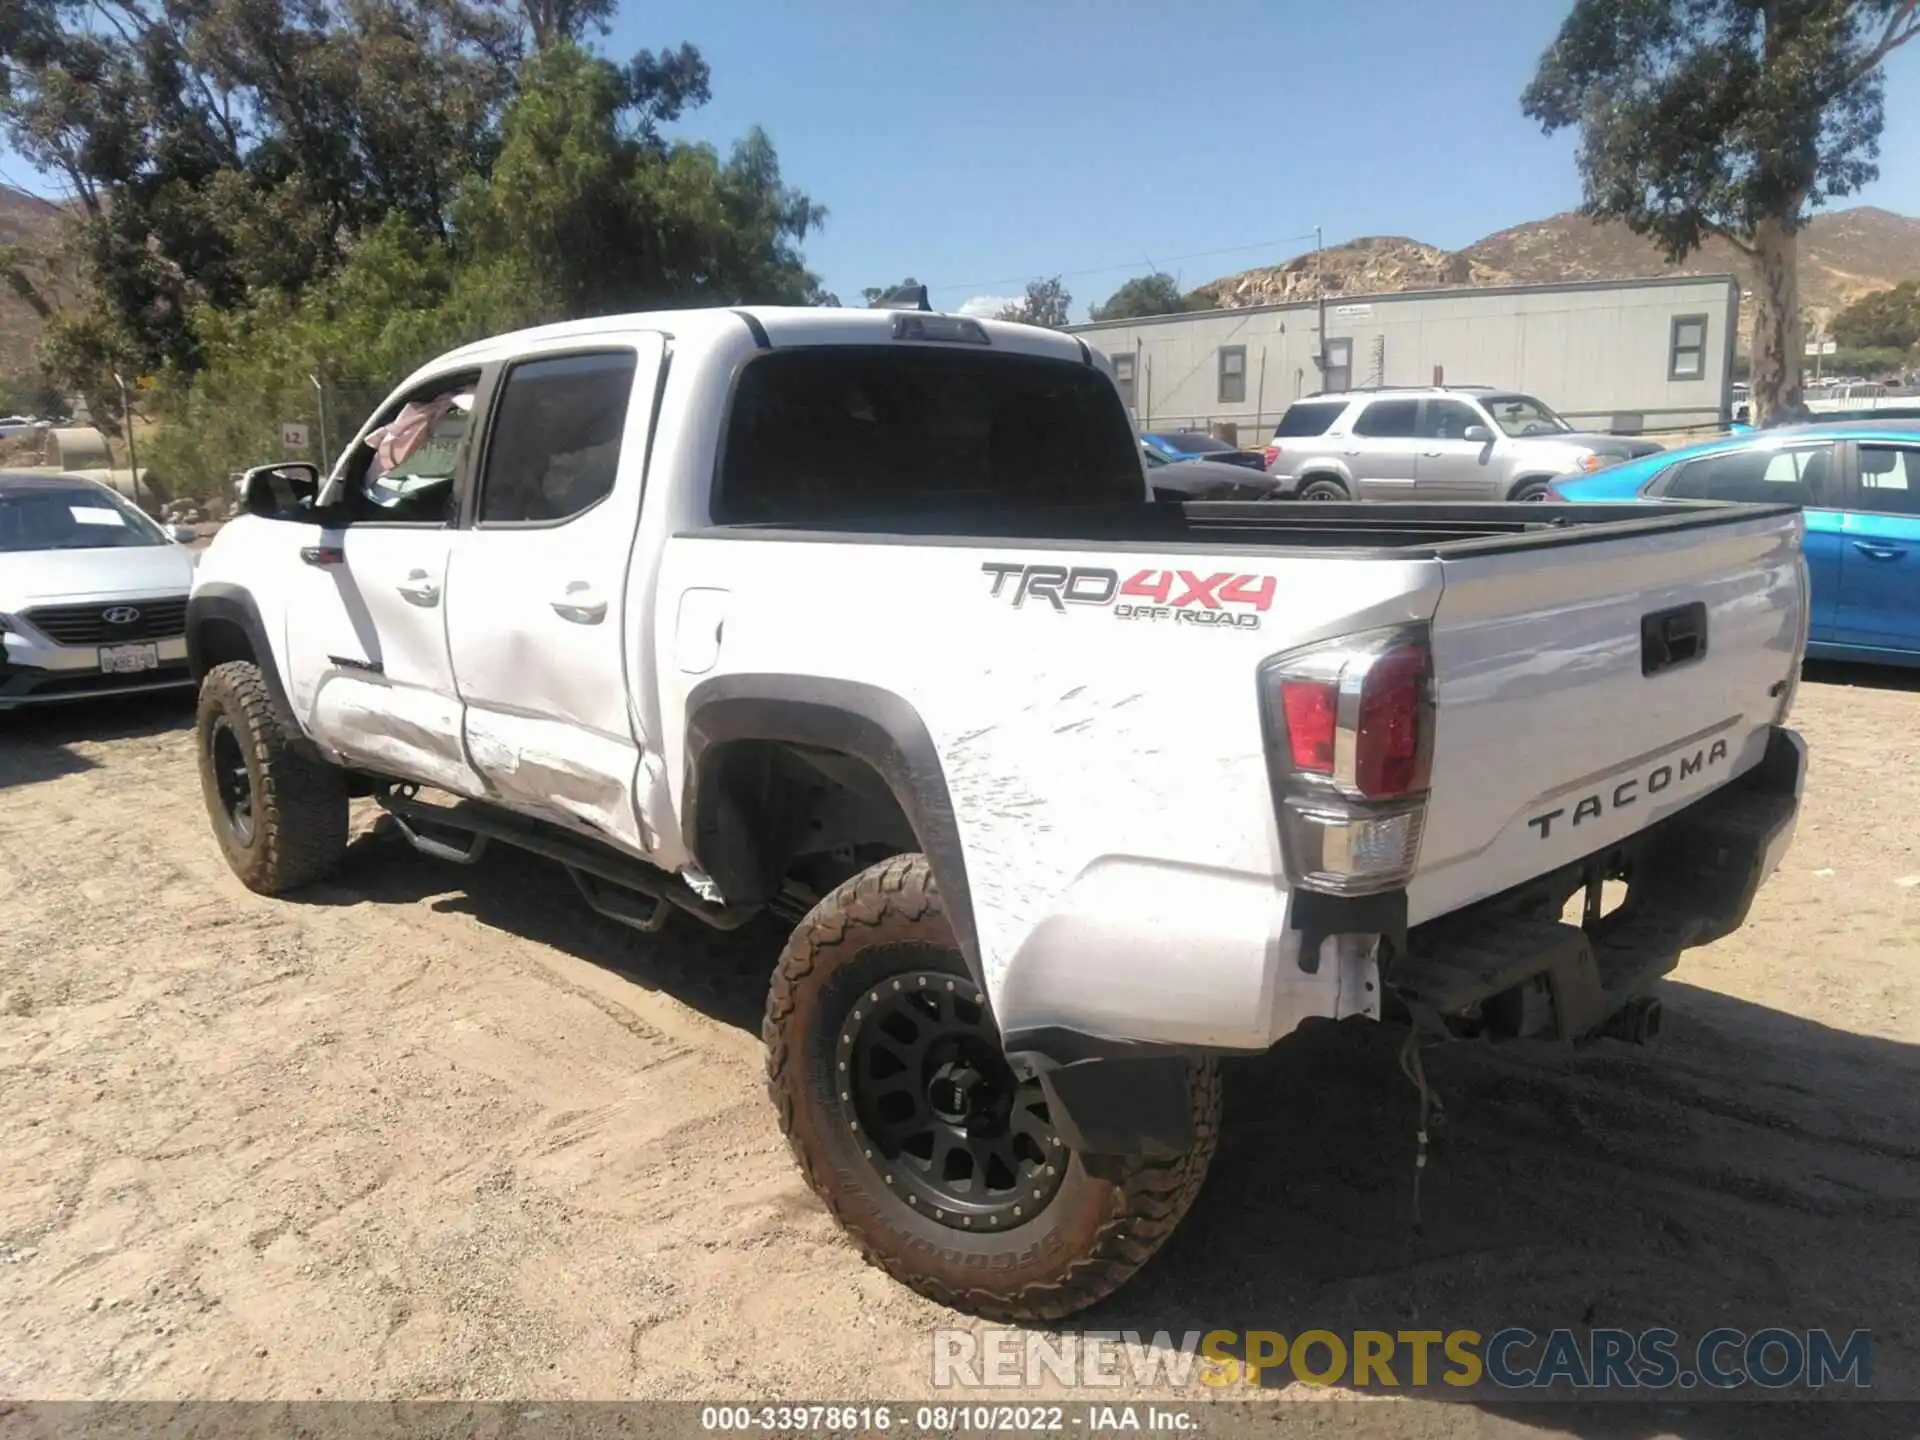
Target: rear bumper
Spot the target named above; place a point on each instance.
(1511, 967)
(1142, 957)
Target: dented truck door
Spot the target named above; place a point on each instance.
(537, 585)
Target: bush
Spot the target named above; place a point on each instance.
(398, 302)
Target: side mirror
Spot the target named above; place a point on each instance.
(183, 534)
(1478, 434)
(271, 490)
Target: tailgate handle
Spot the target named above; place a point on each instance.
(1672, 637)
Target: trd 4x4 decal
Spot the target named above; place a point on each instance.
(1219, 598)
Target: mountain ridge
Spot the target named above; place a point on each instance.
(1844, 254)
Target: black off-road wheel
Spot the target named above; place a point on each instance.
(1532, 492)
(278, 811)
(942, 1164)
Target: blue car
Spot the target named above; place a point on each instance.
(1177, 445)
(1860, 486)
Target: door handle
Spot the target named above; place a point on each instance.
(418, 589)
(1879, 552)
(580, 605)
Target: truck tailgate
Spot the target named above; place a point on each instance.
(1588, 690)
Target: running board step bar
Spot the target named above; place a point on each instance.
(619, 888)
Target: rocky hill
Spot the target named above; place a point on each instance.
(1843, 254)
(33, 223)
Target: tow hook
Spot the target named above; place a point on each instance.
(1636, 1022)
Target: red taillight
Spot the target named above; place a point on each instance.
(1350, 747)
(1390, 758)
(1311, 708)
(1273, 454)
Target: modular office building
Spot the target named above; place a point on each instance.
(1625, 355)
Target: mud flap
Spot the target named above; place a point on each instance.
(1131, 1106)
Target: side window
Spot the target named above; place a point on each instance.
(1233, 374)
(1767, 477)
(1308, 417)
(405, 470)
(1389, 420)
(553, 449)
(1448, 420)
(1889, 480)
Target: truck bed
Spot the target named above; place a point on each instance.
(1399, 531)
(1087, 681)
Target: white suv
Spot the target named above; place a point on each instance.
(1435, 443)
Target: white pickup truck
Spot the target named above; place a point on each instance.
(864, 618)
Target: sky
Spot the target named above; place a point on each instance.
(976, 144)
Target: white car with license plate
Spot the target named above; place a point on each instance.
(93, 593)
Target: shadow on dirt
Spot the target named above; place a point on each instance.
(37, 743)
(723, 975)
(1853, 674)
(1752, 1169)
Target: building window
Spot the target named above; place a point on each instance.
(1338, 374)
(1687, 352)
(1233, 374)
(1123, 377)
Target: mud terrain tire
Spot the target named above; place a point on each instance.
(278, 811)
(883, 930)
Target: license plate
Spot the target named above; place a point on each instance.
(128, 659)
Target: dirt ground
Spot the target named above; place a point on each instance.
(431, 1132)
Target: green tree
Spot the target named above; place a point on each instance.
(1045, 303)
(552, 22)
(215, 148)
(1886, 319)
(1872, 361)
(587, 190)
(1725, 117)
(399, 299)
(1155, 294)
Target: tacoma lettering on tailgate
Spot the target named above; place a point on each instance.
(1628, 792)
(1221, 599)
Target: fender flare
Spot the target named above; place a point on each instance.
(218, 602)
(862, 721)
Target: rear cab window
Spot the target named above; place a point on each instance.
(1308, 417)
(843, 432)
